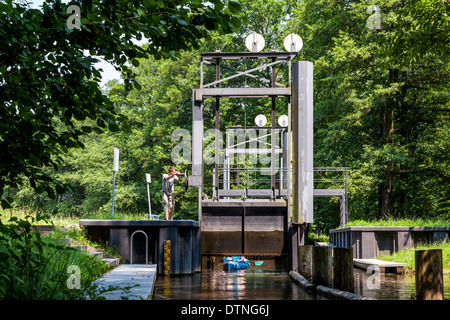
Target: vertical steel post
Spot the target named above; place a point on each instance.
(115, 169)
(302, 142)
(273, 140)
(113, 187)
(217, 138)
(148, 178)
(196, 179)
(149, 204)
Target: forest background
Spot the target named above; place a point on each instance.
(381, 109)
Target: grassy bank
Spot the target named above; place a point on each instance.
(29, 214)
(400, 223)
(407, 255)
(35, 267)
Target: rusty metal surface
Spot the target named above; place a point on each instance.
(232, 228)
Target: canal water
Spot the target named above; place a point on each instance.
(234, 285)
(259, 283)
(269, 281)
(390, 286)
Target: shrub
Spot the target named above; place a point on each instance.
(35, 268)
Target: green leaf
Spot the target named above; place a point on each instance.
(137, 86)
(97, 130)
(86, 129)
(141, 12)
(135, 62)
(6, 204)
(113, 127)
(39, 189)
(234, 7)
(60, 189)
(182, 22)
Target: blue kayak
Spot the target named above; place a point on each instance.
(235, 263)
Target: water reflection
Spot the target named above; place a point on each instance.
(237, 285)
(391, 286)
(260, 284)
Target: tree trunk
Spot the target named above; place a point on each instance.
(385, 190)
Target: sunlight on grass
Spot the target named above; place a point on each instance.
(400, 223)
(407, 255)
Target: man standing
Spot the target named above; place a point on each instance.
(167, 190)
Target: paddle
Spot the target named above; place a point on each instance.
(258, 263)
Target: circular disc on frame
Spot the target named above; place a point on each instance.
(260, 120)
(293, 43)
(283, 121)
(255, 42)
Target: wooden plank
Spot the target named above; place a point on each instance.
(305, 261)
(429, 275)
(322, 266)
(384, 266)
(343, 278)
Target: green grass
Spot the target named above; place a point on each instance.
(119, 216)
(314, 236)
(400, 223)
(31, 214)
(36, 267)
(408, 255)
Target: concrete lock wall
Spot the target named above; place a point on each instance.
(184, 236)
(255, 227)
(371, 242)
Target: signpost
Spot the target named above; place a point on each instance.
(149, 180)
(115, 169)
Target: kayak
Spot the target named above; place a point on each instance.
(235, 263)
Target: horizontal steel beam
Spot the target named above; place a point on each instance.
(252, 151)
(248, 55)
(329, 193)
(247, 74)
(233, 203)
(200, 94)
(242, 73)
(318, 193)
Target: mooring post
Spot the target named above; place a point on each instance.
(343, 269)
(429, 275)
(322, 266)
(305, 261)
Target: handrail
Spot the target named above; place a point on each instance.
(146, 246)
(245, 178)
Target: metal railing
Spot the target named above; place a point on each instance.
(256, 182)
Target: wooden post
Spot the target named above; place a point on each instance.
(343, 269)
(322, 266)
(305, 261)
(429, 275)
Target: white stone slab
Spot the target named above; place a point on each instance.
(140, 277)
